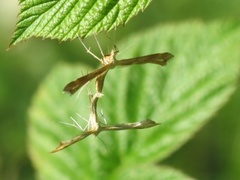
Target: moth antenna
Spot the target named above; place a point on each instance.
(88, 49)
(99, 46)
(114, 37)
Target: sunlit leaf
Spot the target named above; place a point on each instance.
(67, 19)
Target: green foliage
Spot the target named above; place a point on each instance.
(67, 19)
(182, 96)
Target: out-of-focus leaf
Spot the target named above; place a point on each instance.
(67, 19)
(139, 172)
(182, 96)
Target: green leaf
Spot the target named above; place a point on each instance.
(68, 19)
(139, 172)
(182, 96)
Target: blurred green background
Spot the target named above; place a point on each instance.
(212, 154)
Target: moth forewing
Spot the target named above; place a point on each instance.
(159, 58)
(73, 86)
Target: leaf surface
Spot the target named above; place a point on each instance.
(182, 96)
(68, 19)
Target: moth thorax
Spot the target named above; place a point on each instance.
(108, 59)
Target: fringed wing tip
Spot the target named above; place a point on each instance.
(60, 147)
